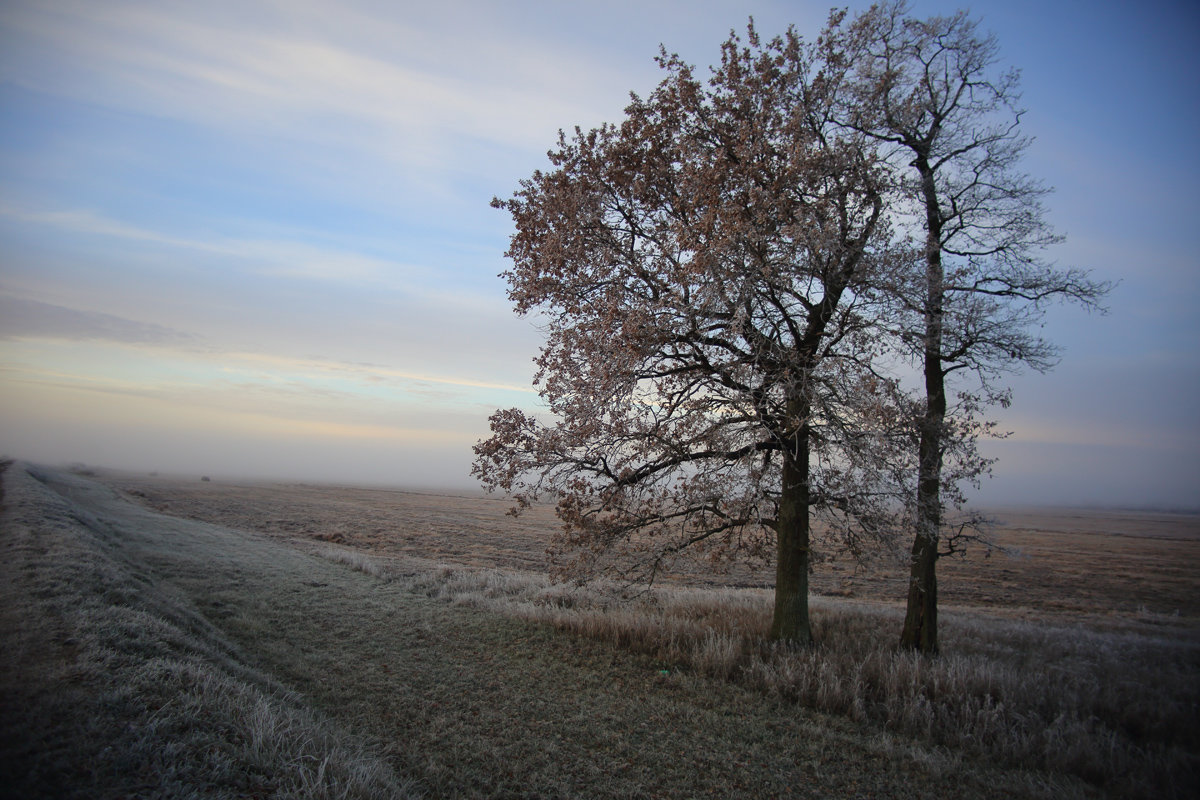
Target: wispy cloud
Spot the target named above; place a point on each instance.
(178, 363)
(366, 372)
(424, 337)
(293, 259)
(23, 318)
(310, 72)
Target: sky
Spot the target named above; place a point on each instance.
(253, 238)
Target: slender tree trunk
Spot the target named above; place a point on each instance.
(791, 621)
(920, 621)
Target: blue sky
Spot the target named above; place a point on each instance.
(254, 239)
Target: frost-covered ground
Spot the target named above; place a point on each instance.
(327, 642)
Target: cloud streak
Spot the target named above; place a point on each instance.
(326, 73)
(21, 318)
(289, 259)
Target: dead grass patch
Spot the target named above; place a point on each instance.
(1119, 710)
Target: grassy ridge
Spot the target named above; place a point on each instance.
(112, 687)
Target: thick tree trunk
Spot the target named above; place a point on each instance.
(920, 621)
(791, 622)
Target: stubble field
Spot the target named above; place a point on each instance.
(407, 644)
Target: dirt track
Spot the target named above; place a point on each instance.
(475, 705)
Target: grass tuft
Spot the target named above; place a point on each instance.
(354, 559)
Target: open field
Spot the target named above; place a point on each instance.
(254, 640)
(1073, 565)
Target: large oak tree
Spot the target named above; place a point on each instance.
(707, 275)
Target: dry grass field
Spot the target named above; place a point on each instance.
(169, 637)
(1071, 565)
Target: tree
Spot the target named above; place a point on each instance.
(929, 90)
(706, 275)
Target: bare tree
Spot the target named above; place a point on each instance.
(930, 90)
(705, 273)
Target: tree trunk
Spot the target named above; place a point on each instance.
(791, 621)
(920, 621)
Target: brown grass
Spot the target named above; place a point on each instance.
(1075, 566)
(1118, 709)
(443, 663)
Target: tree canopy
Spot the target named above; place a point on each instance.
(707, 275)
(730, 290)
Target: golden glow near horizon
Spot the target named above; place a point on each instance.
(135, 391)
